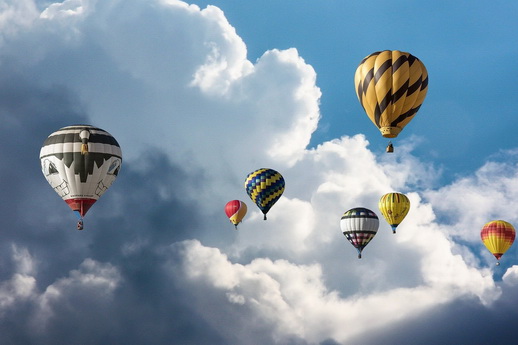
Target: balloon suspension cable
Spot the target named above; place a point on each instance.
(80, 224)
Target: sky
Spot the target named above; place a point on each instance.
(199, 94)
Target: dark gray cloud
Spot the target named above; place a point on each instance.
(147, 307)
(130, 229)
(464, 321)
(28, 115)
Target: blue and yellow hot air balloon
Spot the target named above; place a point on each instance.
(391, 86)
(359, 225)
(264, 186)
(394, 207)
(498, 236)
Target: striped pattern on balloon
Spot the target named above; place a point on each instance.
(391, 86)
(394, 207)
(80, 163)
(359, 225)
(498, 236)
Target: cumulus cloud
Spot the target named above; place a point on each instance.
(158, 262)
(88, 289)
(294, 301)
(493, 185)
(22, 285)
(510, 277)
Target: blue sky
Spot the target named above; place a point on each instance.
(198, 95)
(467, 47)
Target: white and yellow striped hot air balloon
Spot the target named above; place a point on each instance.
(359, 225)
(391, 86)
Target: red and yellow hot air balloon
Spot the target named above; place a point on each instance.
(391, 86)
(235, 211)
(498, 236)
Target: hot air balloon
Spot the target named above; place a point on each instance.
(264, 187)
(80, 163)
(498, 236)
(235, 211)
(391, 86)
(359, 226)
(394, 207)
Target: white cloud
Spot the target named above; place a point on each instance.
(226, 61)
(25, 263)
(472, 201)
(65, 9)
(18, 289)
(91, 279)
(182, 68)
(93, 282)
(21, 286)
(294, 301)
(15, 15)
(511, 276)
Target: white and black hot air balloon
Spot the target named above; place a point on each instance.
(80, 162)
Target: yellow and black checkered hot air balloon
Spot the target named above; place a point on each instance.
(264, 187)
(391, 86)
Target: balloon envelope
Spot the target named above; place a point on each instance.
(391, 86)
(264, 186)
(394, 207)
(80, 163)
(359, 225)
(235, 211)
(498, 236)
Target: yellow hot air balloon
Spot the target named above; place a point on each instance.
(394, 207)
(498, 236)
(391, 86)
